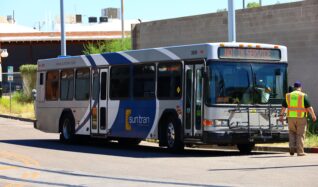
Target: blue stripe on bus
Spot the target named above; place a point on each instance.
(135, 119)
(115, 59)
(91, 60)
(138, 115)
(142, 113)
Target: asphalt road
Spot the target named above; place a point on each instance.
(29, 157)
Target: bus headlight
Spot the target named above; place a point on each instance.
(221, 122)
(215, 123)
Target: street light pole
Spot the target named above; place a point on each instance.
(3, 54)
(122, 20)
(231, 22)
(63, 40)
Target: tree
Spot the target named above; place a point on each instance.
(253, 5)
(28, 73)
(221, 10)
(108, 46)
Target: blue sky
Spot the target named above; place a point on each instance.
(30, 12)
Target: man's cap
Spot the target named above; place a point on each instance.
(297, 84)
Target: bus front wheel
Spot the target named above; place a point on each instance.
(67, 134)
(173, 136)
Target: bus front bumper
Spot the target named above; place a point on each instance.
(241, 137)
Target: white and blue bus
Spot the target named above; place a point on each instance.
(213, 93)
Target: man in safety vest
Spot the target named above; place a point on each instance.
(297, 105)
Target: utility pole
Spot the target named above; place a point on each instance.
(231, 22)
(63, 40)
(122, 20)
(243, 4)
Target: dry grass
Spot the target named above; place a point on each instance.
(24, 110)
(311, 140)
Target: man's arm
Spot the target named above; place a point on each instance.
(310, 109)
(312, 113)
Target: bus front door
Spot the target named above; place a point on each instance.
(99, 101)
(193, 100)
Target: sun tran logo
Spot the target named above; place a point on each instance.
(134, 120)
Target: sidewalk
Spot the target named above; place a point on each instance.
(282, 147)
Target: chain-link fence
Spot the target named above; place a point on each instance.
(16, 84)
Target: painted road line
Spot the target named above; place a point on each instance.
(26, 161)
(13, 185)
(7, 167)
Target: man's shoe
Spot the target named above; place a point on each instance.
(301, 154)
(291, 152)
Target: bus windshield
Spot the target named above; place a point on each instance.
(246, 83)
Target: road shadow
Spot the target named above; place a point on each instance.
(101, 147)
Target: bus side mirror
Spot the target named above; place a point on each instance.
(204, 72)
(34, 94)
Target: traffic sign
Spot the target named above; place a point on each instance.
(10, 73)
(10, 70)
(10, 78)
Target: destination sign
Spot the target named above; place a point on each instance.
(249, 53)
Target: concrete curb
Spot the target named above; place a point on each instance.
(273, 149)
(313, 150)
(284, 149)
(17, 118)
(269, 149)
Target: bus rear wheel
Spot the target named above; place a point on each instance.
(246, 148)
(67, 134)
(173, 137)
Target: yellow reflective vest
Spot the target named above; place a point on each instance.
(296, 104)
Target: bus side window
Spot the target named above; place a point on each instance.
(169, 81)
(120, 83)
(144, 81)
(96, 84)
(41, 78)
(67, 84)
(103, 86)
(82, 84)
(52, 86)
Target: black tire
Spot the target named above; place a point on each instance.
(173, 136)
(246, 148)
(67, 129)
(129, 141)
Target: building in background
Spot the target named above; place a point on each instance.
(26, 45)
(111, 13)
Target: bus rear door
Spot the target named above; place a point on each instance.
(99, 101)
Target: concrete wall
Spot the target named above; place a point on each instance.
(294, 25)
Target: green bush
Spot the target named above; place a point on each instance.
(253, 5)
(311, 140)
(108, 46)
(28, 73)
(20, 97)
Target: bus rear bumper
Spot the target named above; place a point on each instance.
(236, 137)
